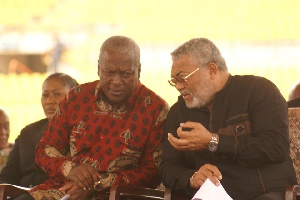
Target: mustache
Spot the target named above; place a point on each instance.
(185, 91)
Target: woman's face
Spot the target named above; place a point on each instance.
(52, 92)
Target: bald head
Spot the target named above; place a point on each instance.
(295, 91)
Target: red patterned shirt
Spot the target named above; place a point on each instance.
(123, 143)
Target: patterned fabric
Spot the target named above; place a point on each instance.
(294, 126)
(123, 143)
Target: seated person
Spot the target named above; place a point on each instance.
(5, 146)
(294, 96)
(104, 132)
(225, 129)
(20, 168)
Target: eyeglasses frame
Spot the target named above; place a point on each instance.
(183, 78)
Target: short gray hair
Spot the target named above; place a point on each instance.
(122, 44)
(202, 50)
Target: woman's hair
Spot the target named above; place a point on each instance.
(64, 79)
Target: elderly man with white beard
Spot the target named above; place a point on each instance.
(232, 130)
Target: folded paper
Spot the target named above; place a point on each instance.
(209, 191)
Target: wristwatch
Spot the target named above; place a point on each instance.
(98, 186)
(213, 143)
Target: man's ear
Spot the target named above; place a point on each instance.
(139, 70)
(98, 71)
(212, 68)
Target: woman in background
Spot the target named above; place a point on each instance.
(20, 168)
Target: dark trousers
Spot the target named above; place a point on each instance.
(24, 197)
(271, 196)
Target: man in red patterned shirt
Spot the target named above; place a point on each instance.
(105, 132)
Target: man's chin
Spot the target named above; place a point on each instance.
(194, 104)
(190, 104)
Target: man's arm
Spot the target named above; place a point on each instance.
(175, 170)
(52, 149)
(11, 172)
(146, 173)
(269, 139)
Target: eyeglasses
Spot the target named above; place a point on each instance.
(181, 79)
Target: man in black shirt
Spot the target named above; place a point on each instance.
(229, 129)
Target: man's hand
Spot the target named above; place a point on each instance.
(84, 176)
(75, 191)
(196, 139)
(206, 171)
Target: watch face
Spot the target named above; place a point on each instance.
(212, 146)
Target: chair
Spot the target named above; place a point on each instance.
(10, 191)
(294, 130)
(118, 192)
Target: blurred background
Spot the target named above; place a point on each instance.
(38, 37)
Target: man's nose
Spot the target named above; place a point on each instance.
(179, 86)
(116, 79)
(3, 130)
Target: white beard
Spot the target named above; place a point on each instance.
(203, 95)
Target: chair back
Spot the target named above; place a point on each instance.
(294, 131)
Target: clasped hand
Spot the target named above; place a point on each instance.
(196, 139)
(82, 180)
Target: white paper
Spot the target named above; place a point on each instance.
(209, 191)
(65, 197)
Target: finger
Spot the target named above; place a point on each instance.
(177, 142)
(80, 184)
(85, 178)
(197, 180)
(172, 140)
(75, 190)
(183, 133)
(200, 177)
(214, 170)
(214, 180)
(175, 145)
(79, 179)
(80, 195)
(88, 182)
(94, 174)
(189, 124)
(66, 187)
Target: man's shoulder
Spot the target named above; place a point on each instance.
(85, 88)
(251, 82)
(294, 103)
(153, 94)
(36, 124)
(250, 78)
